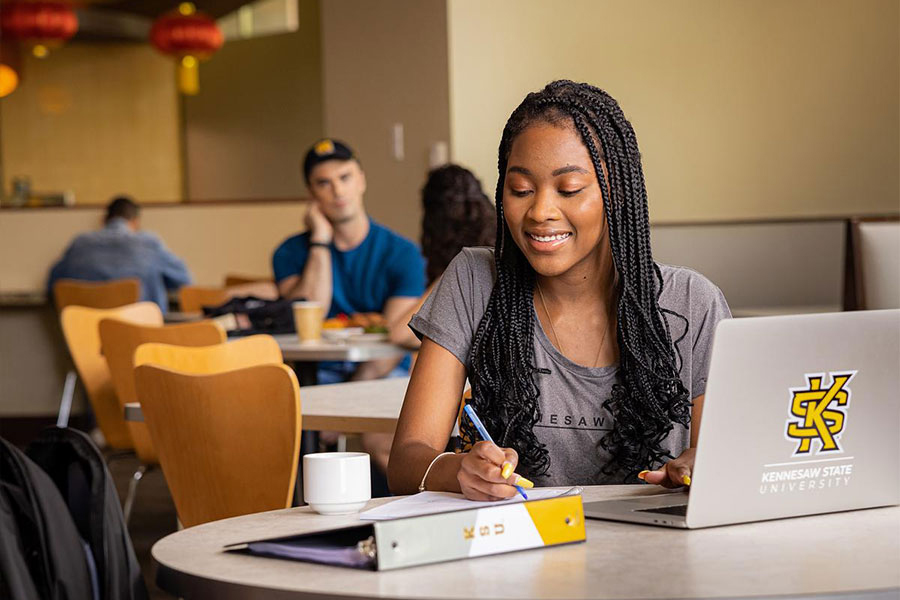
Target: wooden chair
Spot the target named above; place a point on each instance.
(204, 360)
(192, 298)
(93, 294)
(80, 327)
(204, 426)
(119, 341)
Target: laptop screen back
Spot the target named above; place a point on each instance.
(800, 417)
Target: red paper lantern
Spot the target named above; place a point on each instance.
(38, 23)
(189, 36)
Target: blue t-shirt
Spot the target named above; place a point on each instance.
(384, 265)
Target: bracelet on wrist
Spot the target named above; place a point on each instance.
(321, 244)
(428, 470)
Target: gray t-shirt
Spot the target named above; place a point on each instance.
(573, 420)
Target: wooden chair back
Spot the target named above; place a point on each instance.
(119, 341)
(203, 360)
(203, 426)
(96, 294)
(80, 326)
(232, 279)
(192, 298)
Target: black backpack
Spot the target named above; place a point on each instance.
(265, 316)
(41, 554)
(77, 468)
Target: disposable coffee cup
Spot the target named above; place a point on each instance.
(308, 318)
(336, 483)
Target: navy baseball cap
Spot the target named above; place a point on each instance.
(326, 149)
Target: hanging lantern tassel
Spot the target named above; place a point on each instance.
(189, 75)
(189, 36)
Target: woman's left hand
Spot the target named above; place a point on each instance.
(673, 474)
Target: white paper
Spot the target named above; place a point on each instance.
(427, 503)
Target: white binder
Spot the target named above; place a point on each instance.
(397, 543)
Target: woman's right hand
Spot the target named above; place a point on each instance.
(481, 471)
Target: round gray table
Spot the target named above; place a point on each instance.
(841, 555)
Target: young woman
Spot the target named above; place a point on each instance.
(587, 359)
(456, 214)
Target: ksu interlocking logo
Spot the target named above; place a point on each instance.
(822, 410)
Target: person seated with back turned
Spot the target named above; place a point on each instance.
(456, 214)
(122, 250)
(587, 359)
(349, 263)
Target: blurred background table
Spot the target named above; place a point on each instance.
(349, 350)
(354, 407)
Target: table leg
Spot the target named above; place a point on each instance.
(307, 374)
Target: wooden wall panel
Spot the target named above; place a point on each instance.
(96, 119)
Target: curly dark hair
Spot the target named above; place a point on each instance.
(458, 214)
(650, 398)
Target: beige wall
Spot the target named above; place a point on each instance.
(259, 108)
(742, 109)
(96, 119)
(213, 239)
(386, 63)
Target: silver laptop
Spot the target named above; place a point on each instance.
(801, 417)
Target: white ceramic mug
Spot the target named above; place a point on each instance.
(336, 483)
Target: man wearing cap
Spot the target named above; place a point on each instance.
(345, 260)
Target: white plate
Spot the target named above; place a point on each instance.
(345, 333)
(369, 337)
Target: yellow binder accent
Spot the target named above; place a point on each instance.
(558, 520)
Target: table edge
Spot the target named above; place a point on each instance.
(187, 585)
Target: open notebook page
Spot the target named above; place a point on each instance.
(426, 503)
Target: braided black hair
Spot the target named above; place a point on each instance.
(457, 214)
(650, 398)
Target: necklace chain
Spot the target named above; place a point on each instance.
(556, 337)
